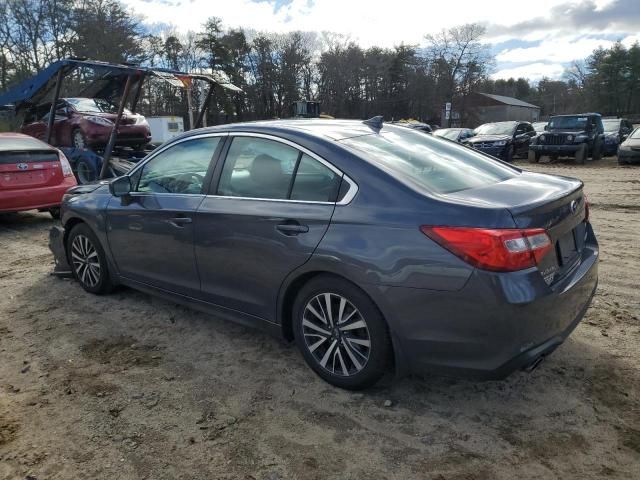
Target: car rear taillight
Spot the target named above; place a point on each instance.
(64, 163)
(498, 250)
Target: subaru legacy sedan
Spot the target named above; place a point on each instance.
(369, 245)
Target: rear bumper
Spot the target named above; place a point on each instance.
(34, 198)
(555, 148)
(496, 324)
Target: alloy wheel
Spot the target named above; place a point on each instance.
(336, 334)
(78, 139)
(86, 262)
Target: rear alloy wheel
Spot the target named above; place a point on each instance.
(87, 260)
(341, 333)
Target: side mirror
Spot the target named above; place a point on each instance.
(120, 187)
(546, 128)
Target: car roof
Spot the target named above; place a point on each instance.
(323, 128)
(17, 141)
(577, 115)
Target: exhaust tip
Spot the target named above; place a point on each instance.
(534, 364)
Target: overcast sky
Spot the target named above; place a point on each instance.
(528, 39)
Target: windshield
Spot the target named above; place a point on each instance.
(539, 126)
(93, 105)
(611, 125)
(450, 133)
(430, 163)
(569, 123)
(503, 128)
(635, 133)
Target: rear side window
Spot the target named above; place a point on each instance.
(181, 168)
(262, 168)
(428, 162)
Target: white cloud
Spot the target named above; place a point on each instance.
(560, 49)
(532, 71)
(384, 23)
(370, 22)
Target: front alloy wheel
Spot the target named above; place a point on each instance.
(336, 334)
(86, 263)
(87, 260)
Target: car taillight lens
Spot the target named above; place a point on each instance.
(66, 166)
(498, 250)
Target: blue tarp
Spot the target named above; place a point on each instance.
(35, 89)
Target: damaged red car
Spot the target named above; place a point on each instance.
(87, 123)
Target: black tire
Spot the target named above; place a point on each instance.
(55, 213)
(581, 154)
(91, 279)
(85, 172)
(78, 139)
(596, 154)
(533, 157)
(509, 156)
(370, 362)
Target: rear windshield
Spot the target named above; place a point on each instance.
(7, 158)
(569, 123)
(434, 164)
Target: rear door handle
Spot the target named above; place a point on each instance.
(292, 228)
(179, 221)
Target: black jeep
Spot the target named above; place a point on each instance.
(580, 135)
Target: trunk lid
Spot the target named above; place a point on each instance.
(554, 203)
(20, 169)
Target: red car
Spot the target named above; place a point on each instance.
(87, 123)
(33, 175)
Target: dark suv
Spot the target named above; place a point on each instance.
(503, 140)
(580, 135)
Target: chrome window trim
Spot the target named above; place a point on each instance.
(170, 144)
(353, 186)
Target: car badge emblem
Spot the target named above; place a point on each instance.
(22, 166)
(574, 206)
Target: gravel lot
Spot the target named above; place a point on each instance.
(130, 387)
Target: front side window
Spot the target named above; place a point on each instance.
(261, 168)
(179, 169)
(439, 167)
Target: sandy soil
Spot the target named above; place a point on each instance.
(132, 387)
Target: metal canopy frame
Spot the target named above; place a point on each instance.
(37, 88)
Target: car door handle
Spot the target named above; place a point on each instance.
(179, 221)
(292, 228)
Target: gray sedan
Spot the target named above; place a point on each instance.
(369, 245)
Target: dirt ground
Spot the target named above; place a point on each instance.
(133, 387)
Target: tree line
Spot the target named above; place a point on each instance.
(274, 70)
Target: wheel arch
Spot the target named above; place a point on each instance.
(294, 284)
